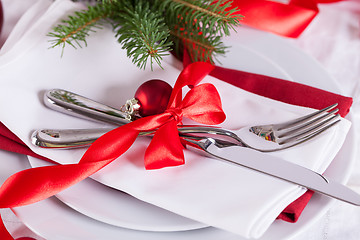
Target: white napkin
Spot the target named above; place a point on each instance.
(207, 190)
(32, 11)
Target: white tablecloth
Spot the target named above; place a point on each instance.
(333, 38)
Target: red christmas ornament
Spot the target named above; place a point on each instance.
(153, 97)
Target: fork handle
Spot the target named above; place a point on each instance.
(66, 138)
(76, 138)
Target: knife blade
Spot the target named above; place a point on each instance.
(281, 169)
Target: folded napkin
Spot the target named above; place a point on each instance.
(29, 12)
(10, 142)
(210, 191)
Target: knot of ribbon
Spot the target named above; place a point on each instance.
(201, 103)
(176, 113)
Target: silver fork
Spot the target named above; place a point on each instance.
(278, 136)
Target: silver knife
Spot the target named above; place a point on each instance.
(279, 168)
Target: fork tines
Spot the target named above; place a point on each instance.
(307, 127)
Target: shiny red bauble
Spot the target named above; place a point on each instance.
(153, 97)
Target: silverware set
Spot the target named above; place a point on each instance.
(216, 142)
(284, 135)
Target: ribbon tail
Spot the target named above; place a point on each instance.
(40, 183)
(165, 149)
(112, 144)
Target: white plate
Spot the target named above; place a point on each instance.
(300, 68)
(54, 220)
(118, 208)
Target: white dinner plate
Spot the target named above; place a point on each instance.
(293, 63)
(117, 208)
(53, 220)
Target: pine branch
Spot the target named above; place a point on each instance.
(148, 28)
(199, 26)
(143, 33)
(199, 47)
(218, 16)
(77, 27)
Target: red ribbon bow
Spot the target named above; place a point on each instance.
(202, 104)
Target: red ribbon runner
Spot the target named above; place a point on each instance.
(288, 20)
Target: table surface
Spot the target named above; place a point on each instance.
(333, 38)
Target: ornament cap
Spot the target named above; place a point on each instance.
(132, 108)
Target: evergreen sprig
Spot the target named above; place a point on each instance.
(77, 27)
(143, 33)
(148, 29)
(215, 16)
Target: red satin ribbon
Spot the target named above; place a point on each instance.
(202, 104)
(288, 20)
